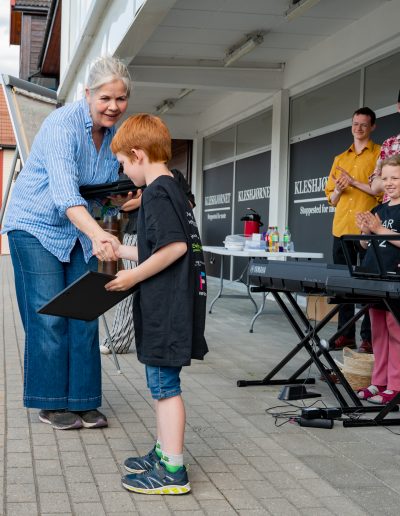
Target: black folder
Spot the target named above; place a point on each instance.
(86, 298)
(103, 190)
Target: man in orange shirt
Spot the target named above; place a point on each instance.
(347, 189)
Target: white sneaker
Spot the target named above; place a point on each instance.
(104, 350)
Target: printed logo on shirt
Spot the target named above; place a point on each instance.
(388, 224)
(197, 248)
(202, 282)
(192, 222)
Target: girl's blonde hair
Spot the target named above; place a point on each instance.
(393, 161)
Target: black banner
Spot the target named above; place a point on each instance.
(252, 190)
(217, 211)
(310, 216)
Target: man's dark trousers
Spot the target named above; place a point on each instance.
(346, 311)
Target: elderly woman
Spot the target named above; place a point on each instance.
(53, 238)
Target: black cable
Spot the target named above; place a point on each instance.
(291, 415)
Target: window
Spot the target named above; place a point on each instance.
(382, 82)
(327, 105)
(255, 133)
(219, 146)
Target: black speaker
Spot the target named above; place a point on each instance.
(296, 392)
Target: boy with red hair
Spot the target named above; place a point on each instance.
(169, 307)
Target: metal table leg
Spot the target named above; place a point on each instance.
(103, 318)
(259, 311)
(221, 284)
(237, 296)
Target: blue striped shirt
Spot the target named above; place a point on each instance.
(63, 157)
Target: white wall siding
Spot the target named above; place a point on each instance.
(102, 26)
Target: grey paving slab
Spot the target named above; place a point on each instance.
(318, 511)
(83, 492)
(51, 484)
(182, 503)
(89, 509)
(108, 482)
(118, 501)
(280, 507)
(220, 507)
(150, 508)
(51, 503)
(21, 493)
(239, 461)
(22, 509)
(241, 499)
(341, 506)
(375, 500)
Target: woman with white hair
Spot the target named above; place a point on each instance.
(54, 240)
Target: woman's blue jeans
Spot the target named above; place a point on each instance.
(62, 368)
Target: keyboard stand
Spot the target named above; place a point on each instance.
(309, 336)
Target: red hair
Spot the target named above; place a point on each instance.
(145, 132)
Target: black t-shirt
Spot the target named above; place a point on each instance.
(390, 254)
(170, 307)
(131, 226)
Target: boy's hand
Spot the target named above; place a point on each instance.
(124, 281)
(134, 202)
(120, 199)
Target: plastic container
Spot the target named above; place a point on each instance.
(235, 242)
(251, 244)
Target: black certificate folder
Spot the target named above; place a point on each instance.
(85, 299)
(122, 187)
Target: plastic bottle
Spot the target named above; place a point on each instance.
(269, 238)
(275, 240)
(287, 238)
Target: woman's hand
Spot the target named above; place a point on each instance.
(124, 281)
(101, 240)
(104, 246)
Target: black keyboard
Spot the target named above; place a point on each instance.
(314, 278)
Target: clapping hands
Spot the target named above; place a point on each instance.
(368, 223)
(343, 181)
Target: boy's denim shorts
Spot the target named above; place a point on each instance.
(163, 382)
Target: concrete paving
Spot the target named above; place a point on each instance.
(240, 462)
